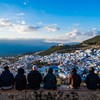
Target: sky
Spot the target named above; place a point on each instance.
(60, 21)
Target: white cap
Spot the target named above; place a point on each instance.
(34, 67)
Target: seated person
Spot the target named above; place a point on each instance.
(92, 79)
(20, 80)
(7, 79)
(74, 79)
(50, 80)
(34, 79)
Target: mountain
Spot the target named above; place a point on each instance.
(90, 43)
(93, 41)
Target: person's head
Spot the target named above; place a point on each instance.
(20, 71)
(50, 70)
(91, 70)
(73, 70)
(6, 68)
(34, 67)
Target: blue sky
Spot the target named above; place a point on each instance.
(60, 21)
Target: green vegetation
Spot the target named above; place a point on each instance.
(71, 48)
(93, 41)
(61, 49)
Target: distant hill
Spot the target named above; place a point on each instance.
(93, 42)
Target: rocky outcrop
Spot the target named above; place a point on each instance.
(50, 95)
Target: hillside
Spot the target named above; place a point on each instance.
(93, 42)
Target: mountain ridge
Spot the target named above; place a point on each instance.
(90, 43)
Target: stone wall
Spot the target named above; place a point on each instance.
(50, 95)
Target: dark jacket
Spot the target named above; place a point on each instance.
(50, 81)
(34, 79)
(74, 80)
(92, 80)
(7, 78)
(20, 82)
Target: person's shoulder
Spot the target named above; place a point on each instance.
(70, 76)
(10, 73)
(2, 72)
(53, 75)
(96, 75)
(88, 75)
(31, 72)
(36, 71)
(78, 75)
(16, 75)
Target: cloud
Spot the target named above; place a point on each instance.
(19, 26)
(74, 36)
(22, 22)
(25, 28)
(5, 23)
(51, 28)
(20, 14)
(26, 2)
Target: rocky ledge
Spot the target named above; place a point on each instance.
(59, 94)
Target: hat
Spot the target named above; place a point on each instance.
(34, 67)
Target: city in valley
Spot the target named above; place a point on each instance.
(61, 63)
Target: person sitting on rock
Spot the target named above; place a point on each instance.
(7, 79)
(74, 80)
(20, 80)
(92, 79)
(50, 80)
(34, 79)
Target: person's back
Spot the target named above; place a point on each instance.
(34, 79)
(20, 80)
(50, 80)
(7, 79)
(92, 79)
(74, 79)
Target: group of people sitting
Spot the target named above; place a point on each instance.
(34, 79)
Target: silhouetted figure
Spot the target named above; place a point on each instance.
(74, 79)
(20, 80)
(34, 79)
(50, 80)
(92, 79)
(7, 79)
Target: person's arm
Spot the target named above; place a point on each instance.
(28, 77)
(80, 79)
(44, 79)
(40, 78)
(25, 79)
(55, 80)
(69, 80)
(98, 80)
(13, 79)
(0, 80)
(87, 80)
